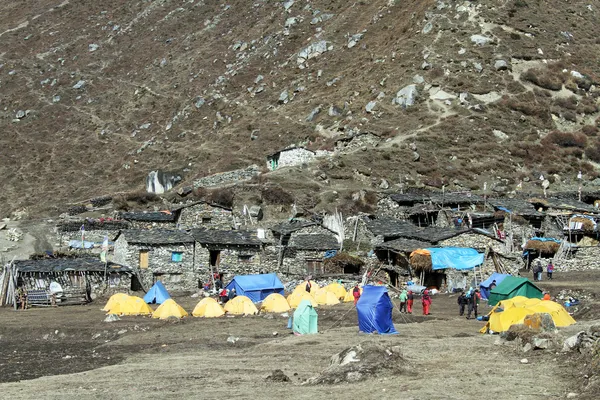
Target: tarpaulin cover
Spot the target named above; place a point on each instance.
(374, 310)
(460, 258)
(513, 286)
(542, 239)
(256, 287)
(484, 287)
(157, 294)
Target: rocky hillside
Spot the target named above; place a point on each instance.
(95, 94)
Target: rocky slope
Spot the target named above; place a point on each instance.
(94, 95)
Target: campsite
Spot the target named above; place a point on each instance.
(70, 351)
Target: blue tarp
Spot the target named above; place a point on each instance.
(374, 310)
(459, 258)
(484, 287)
(542, 239)
(157, 294)
(256, 287)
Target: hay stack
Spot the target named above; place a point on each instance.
(340, 261)
(587, 224)
(542, 247)
(421, 262)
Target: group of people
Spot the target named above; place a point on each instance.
(538, 270)
(407, 298)
(227, 294)
(470, 300)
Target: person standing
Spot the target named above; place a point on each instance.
(403, 300)
(308, 286)
(546, 296)
(473, 303)
(356, 294)
(224, 296)
(426, 301)
(462, 302)
(409, 301)
(550, 270)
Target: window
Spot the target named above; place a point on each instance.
(177, 256)
(314, 266)
(206, 220)
(245, 258)
(143, 259)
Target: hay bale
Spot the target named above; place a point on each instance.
(341, 261)
(548, 247)
(421, 262)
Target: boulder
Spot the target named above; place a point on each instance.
(501, 65)
(573, 342)
(160, 182)
(480, 40)
(406, 96)
(370, 106)
(539, 343)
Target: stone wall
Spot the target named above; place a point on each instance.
(584, 259)
(206, 216)
(176, 276)
(474, 241)
(228, 178)
(153, 225)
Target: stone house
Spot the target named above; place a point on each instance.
(165, 255)
(165, 219)
(230, 253)
(289, 157)
(68, 233)
(80, 279)
(203, 214)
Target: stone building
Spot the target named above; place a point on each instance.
(80, 279)
(289, 157)
(230, 253)
(202, 214)
(166, 219)
(165, 255)
(68, 233)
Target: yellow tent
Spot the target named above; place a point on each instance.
(275, 303)
(169, 309)
(295, 298)
(349, 297)
(500, 321)
(337, 289)
(136, 306)
(114, 299)
(302, 287)
(208, 308)
(241, 305)
(326, 297)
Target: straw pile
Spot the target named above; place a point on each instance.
(587, 224)
(542, 247)
(421, 262)
(341, 261)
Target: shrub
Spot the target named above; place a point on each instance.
(589, 130)
(565, 139)
(593, 152)
(223, 197)
(276, 195)
(546, 79)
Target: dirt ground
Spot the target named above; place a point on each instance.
(70, 351)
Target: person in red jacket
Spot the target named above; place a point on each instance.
(426, 301)
(356, 294)
(409, 302)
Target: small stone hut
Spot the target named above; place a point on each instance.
(229, 252)
(165, 219)
(158, 254)
(202, 214)
(289, 157)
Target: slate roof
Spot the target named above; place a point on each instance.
(433, 234)
(422, 209)
(456, 198)
(409, 198)
(570, 204)
(150, 216)
(288, 149)
(517, 206)
(222, 237)
(180, 207)
(314, 242)
(403, 245)
(389, 227)
(90, 225)
(68, 264)
(156, 236)
(287, 227)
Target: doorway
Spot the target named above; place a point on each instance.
(215, 258)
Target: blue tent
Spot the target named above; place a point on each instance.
(374, 310)
(256, 287)
(157, 294)
(484, 287)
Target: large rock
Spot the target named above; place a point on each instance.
(160, 182)
(313, 50)
(540, 343)
(406, 96)
(480, 40)
(573, 342)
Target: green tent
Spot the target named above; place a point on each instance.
(305, 319)
(513, 286)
